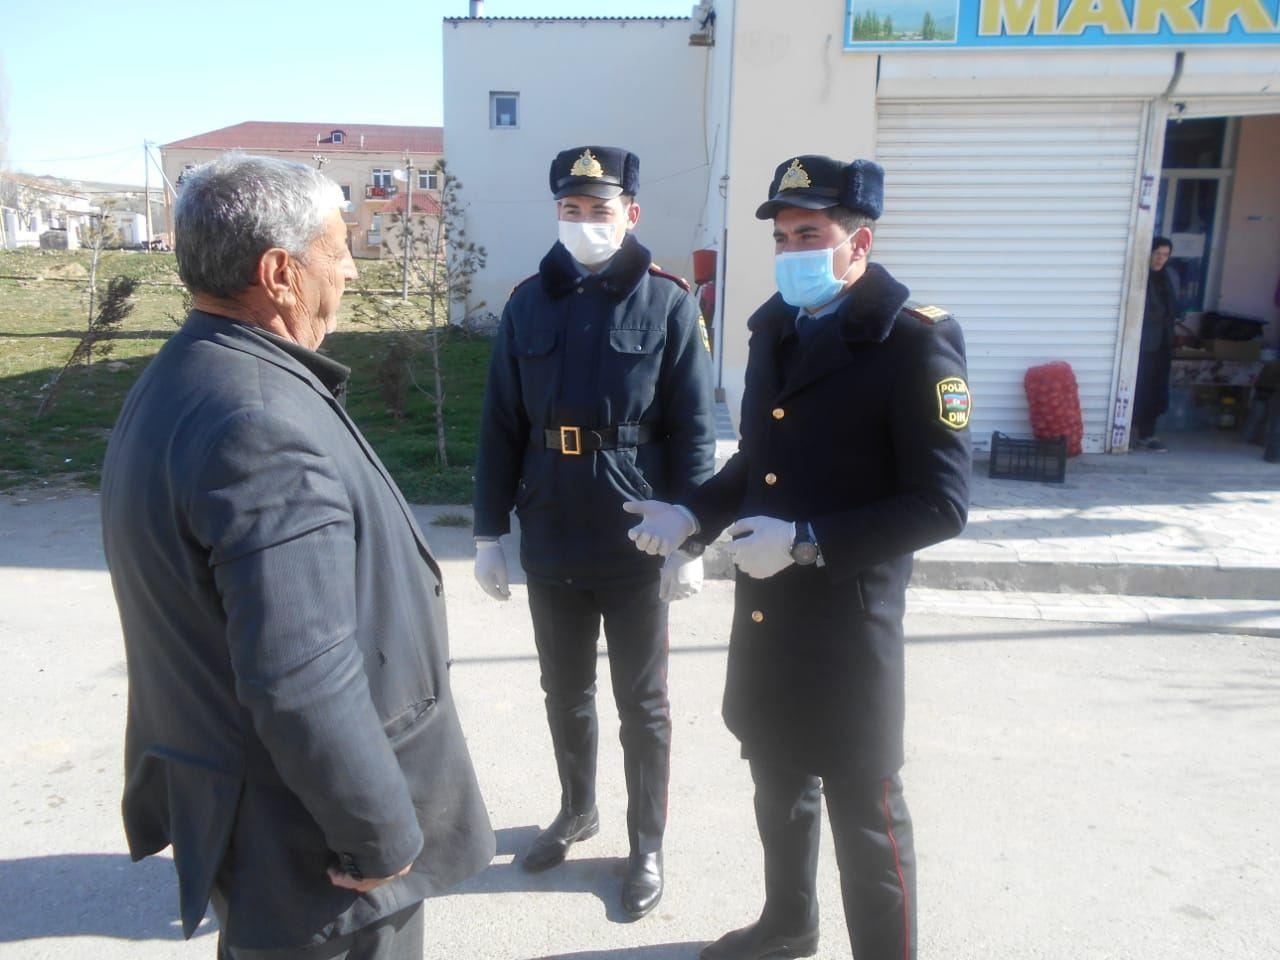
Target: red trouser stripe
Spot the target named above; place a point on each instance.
(902, 883)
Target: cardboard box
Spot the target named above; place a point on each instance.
(1237, 349)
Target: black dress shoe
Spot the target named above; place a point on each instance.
(551, 845)
(642, 889)
(757, 942)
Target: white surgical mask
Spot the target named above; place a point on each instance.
(591, 243)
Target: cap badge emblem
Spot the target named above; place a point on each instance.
(586, 166)
(796, 178)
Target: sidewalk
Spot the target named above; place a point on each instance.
(1184, 540)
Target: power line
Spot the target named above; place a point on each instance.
(90, 156)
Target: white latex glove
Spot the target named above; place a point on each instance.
(662, 526)
(681, 577)
(762, 545)
(491, 569)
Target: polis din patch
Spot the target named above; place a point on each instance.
(954, 402)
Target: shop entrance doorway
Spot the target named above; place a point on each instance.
(1219, 204)
(1195, 181)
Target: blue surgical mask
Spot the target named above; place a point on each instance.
(806, 278)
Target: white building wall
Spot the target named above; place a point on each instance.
(710, 230)
(793, 91)
(636, 84)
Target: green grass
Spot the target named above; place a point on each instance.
(41, 321)
(452, 520)
(154, 267)
(407, 445)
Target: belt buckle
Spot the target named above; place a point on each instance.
(571, 441)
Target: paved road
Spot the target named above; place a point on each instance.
(1079, 791)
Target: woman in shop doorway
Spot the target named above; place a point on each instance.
(1151, 395)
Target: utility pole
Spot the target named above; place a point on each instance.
(146, 190)
(408, 223)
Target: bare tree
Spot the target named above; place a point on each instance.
(442, 266)
(4, 117)
(96, 237)
(117, 303)
(4, 146)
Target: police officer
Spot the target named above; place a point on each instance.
(599, 392)
(854, 453)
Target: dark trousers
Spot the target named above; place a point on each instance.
(397, 937)
(1151, 391)
(874, 850)
(566, 626)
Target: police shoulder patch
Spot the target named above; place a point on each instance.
(925, 313)
(954, 402)
(681, 282)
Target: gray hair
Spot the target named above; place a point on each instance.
(233, 209)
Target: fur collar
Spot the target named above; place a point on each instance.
(866, 316)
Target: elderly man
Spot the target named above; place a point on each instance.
(291, 730)
(855, 452)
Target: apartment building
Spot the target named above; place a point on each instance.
(369, 161)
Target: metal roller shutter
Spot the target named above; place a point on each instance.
(1016, 216)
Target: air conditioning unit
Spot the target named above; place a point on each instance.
(702, 23)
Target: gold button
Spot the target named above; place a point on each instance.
(771, 478)
(778, 413)
(757, 616)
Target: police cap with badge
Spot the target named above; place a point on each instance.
(814, 182)
(604, 172)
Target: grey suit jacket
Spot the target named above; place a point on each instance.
(284, 625)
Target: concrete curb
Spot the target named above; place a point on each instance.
(1200, 577)
(1236, 617)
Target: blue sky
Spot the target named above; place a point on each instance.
(84, 82)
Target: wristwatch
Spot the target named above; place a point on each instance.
(804, 549)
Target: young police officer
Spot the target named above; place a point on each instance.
(599, 392)
(854, 453)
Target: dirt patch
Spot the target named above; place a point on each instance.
(66, 271)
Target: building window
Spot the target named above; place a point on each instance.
(428, 179)
(1192, 144)
(375, 223)
(346, 193)
(503, 109)
(337, 136)
(381, 177)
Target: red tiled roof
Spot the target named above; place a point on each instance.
(422, 203)
(264, 135)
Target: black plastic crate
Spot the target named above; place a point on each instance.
(1014, 458)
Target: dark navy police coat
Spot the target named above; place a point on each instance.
(863, 433)
(624, 346)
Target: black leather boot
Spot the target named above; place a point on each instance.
(642, 889)
(551, 845)
(758, 942)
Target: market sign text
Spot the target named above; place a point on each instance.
(895, 24)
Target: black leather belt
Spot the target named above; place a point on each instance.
(573, 441)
